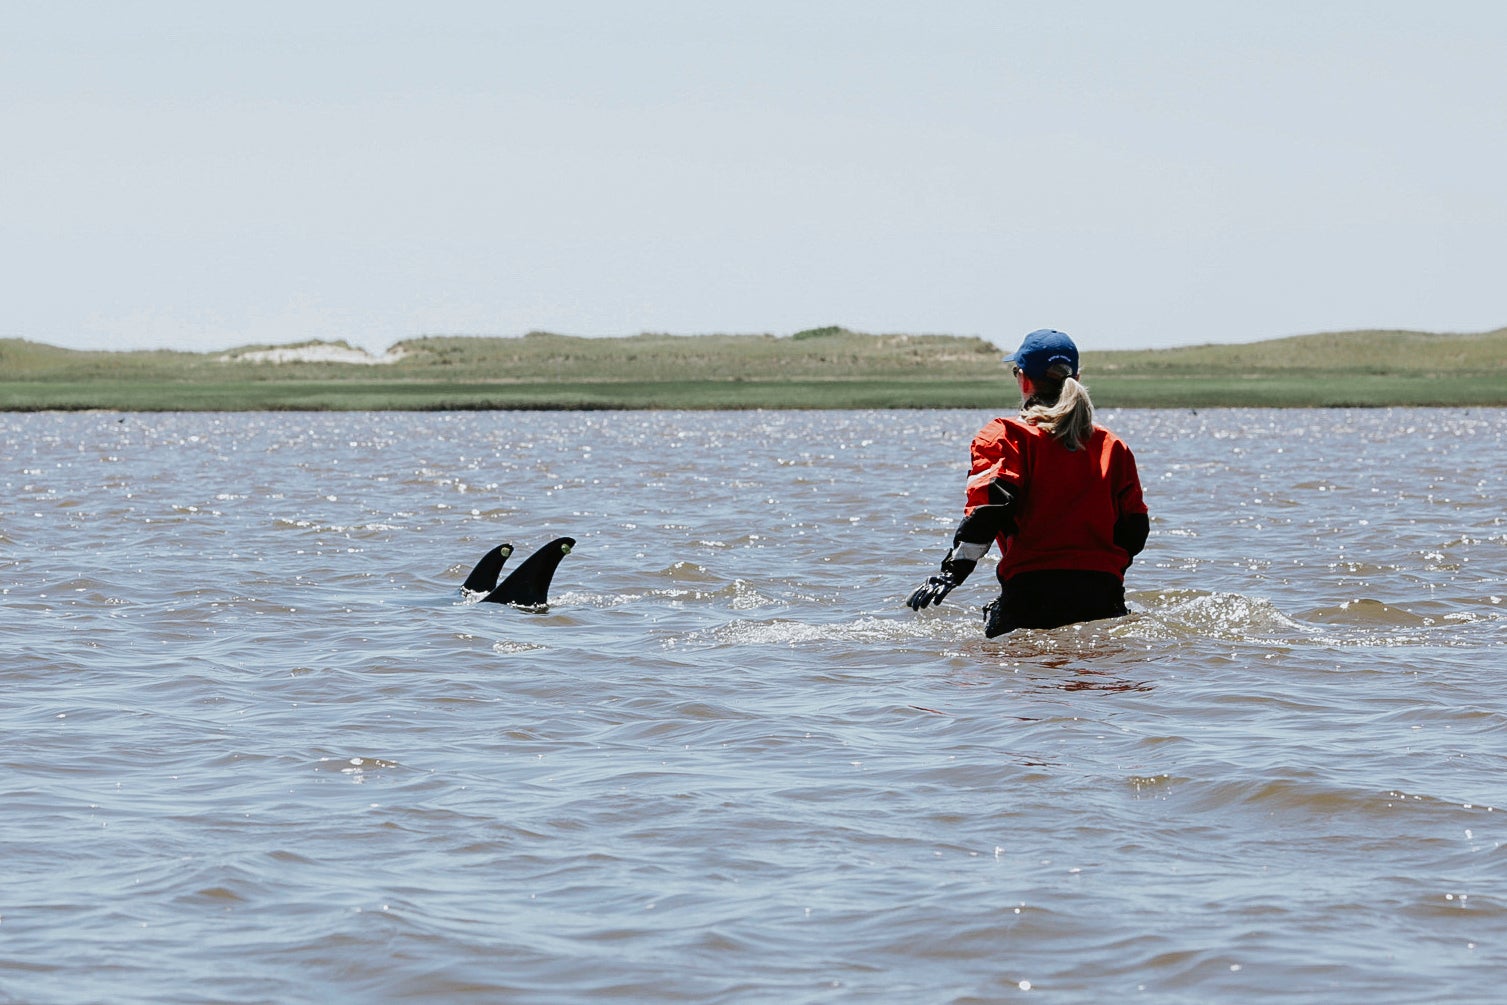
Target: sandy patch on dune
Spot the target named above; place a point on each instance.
(316, 354)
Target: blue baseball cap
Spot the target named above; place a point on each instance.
(1043, 349)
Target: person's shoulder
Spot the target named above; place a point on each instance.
(1004, 424)
(1001, 429)
(1107, 440)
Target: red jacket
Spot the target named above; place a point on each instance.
(1067, 500)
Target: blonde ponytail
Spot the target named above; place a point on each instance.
(1061, 405)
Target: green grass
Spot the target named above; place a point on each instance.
(1297, 390)
(818, 368)
(315, 395)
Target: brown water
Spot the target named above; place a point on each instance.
(254, 749)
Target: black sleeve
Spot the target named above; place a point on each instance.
(985, 523)
(1131, 530)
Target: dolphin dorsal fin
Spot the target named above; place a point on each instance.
(528, 585)
(483, 578)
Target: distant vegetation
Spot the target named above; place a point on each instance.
(828, 367)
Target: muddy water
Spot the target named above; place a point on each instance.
(255, 749)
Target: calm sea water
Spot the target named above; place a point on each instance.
(254, 749)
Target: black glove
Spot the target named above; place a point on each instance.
(954, 571)
(973, 535)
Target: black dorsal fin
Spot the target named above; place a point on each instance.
(528, 585)
(483, 578)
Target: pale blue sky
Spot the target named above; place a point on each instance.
(201, 174)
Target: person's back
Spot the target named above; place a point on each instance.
(1069, 501)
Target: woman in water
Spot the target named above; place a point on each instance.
(1060, 495)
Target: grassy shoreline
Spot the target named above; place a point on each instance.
(825, 368)
(1319, 391)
